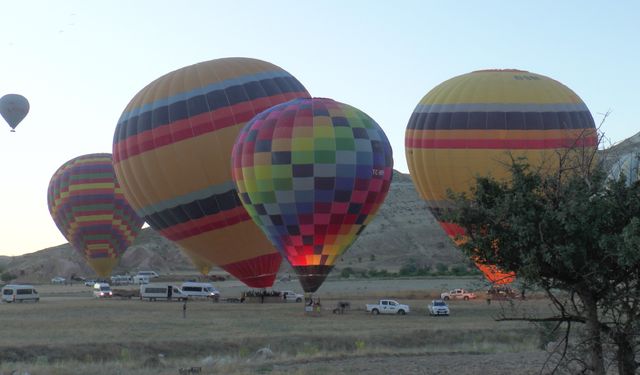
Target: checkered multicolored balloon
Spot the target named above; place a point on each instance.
(312, 174)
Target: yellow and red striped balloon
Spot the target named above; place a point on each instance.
(172, 151)
(473, 124)
(87, 204)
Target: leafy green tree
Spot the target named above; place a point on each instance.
(575, 235)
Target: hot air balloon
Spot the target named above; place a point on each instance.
(201, 265)
(473, 124)
(14, 108)
(312, 174)
(172, 152)
(87, 204)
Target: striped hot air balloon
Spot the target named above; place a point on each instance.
(87, 204)
(312, 173)
(473, 124)
(172, 151)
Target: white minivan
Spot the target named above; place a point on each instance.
(200, 290)
(19, 293)
(140, 279)
(148, 274)
(153, 292)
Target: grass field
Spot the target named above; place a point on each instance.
(69, 332)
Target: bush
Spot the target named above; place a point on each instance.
(442, 268)
(7, 277)
(459, 270)
(381, 273)
(409, 268)
(346, 272)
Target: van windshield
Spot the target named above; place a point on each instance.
(7, 292)
(105, 288)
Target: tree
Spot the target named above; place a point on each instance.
(575, 235)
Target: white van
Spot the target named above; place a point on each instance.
(148, 274)
(140, 279)
(102, 290)
(19, 293)
(121, 280)
(200, 290)
(161, 291)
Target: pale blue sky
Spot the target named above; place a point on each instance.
(80, 62)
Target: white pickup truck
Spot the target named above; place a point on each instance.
(387, 306)
(458, 294)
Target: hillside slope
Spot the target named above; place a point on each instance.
(403, 230)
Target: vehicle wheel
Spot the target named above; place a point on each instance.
(446, 298)
(401, 312)
(375, 312)
(466, 298)
(37, 299)
(298, 299)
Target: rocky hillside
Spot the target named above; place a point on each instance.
(403, 230)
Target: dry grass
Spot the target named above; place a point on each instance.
(70, 333)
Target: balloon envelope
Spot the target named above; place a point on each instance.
(473, 124)
(87, 204)
(172, 151)
(312, 173)
(14, 109)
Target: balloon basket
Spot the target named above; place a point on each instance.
(312, 306)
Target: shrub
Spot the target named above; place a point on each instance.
(346, 272)
(459, 270)
(442, 268)
(7, 277)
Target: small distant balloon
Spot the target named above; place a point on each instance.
(14, 109)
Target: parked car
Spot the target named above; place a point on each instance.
(387, 306)
(458, 294)
(89, 282)
(102, 290)
(289, 296)
(58, 280)
(19, 293)
(438, 307)
(502, 292)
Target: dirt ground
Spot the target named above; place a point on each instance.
(70, 332)
(454, 363)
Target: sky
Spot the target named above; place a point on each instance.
(80, 62)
